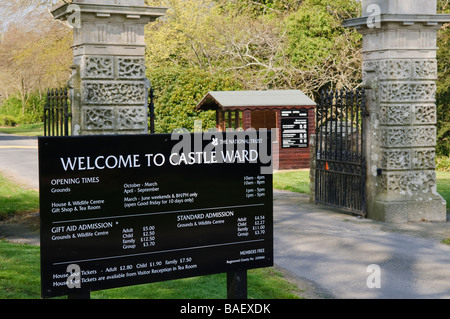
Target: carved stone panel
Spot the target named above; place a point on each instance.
(98, 118)
(408, 137)
(414, 183)
(118, 92)
(98, 68)
(131, 118)
(404, 159)
(425, 69)
(424, 114)
(396, 160)
(423, 159)
(407, 91)
(402, 69)
(130, 68)
(393, 114)
(394, 69)
(407, 114)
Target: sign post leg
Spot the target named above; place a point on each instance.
(237, 285)
(81, 295)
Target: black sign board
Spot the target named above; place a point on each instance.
(294, 128)
(132, 209)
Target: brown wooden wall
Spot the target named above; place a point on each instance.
(289, 158)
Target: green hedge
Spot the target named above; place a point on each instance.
(443, 163)
(7, 120)
(177, 93)
(13, 111)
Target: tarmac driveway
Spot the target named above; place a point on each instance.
(19, 159)
(337, 252)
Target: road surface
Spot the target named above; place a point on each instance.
(19, 159)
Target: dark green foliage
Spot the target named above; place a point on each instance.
(314, 30)
(15, 110)
(443, 94)
(443, 85)
(177, 93)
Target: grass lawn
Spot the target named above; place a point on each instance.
(294, 181)
(15, 199)
(20, 279)
(24, 129)
(298, 181)
(443, 186)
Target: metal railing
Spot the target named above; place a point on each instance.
(57, 114)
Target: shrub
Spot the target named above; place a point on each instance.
(177, 93)
(30, 113)
(443, 163)
(7, 120)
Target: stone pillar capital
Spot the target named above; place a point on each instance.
(399, 6)
(109, 85)
(106, 9)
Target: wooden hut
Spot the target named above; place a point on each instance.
(291, 112)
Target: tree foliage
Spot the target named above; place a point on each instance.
(178, 90)
(265, 44)
(203, 45)
(321, 52)
(35, 54)
(443, 84)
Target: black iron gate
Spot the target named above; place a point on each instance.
(57, 113)
(151, 110)
(340, 157)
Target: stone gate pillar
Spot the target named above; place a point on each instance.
(108, 85)
(400, 71)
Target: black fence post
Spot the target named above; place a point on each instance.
(151, 113)
(66, 112)
(46, 112)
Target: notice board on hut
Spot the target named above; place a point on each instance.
(294, 128)
(289, 112)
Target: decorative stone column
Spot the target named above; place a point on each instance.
(400, 71)
(109, 88)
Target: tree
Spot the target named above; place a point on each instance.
(184, 36)
(443, 85)
(323, 53)
(35, 58)
(257, 8)
(35, 54)
(250, 45)
(178, 90)
(300, 45)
